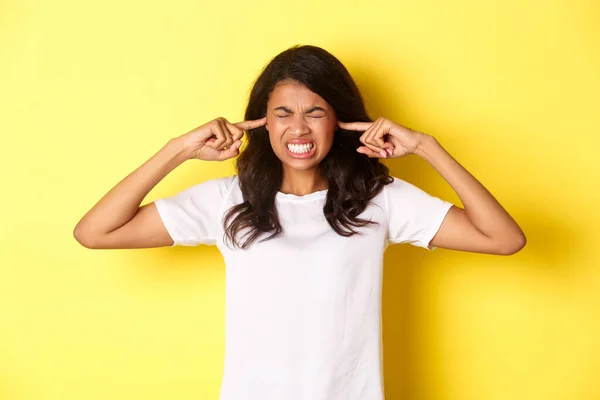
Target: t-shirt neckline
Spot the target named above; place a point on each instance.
(314, 195)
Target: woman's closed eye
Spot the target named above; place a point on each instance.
(311, 116)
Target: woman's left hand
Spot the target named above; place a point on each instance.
(384, 138)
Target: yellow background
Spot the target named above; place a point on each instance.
(89, 91)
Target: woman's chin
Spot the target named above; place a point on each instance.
(301, 165)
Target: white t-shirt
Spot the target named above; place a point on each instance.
(303, 310)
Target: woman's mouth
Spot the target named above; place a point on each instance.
(301, 150)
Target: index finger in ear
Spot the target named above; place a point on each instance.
(247, 125)
(355, 126)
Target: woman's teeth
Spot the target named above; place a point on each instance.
(300, 148)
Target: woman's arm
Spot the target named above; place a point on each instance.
(483, 226)
(118, 221)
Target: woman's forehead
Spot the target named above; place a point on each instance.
(293, 94)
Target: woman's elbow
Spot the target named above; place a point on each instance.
(513, 246)
(83, 238)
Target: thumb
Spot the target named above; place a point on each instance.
(231, 152)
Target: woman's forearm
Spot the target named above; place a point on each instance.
(121, 203)
(482, 209)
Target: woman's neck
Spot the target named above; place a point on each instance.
(302, 182)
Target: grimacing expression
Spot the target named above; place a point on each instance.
(301, 125)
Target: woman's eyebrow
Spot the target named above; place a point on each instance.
(312, 109)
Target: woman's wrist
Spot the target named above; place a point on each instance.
(425, 143)
(178, 149)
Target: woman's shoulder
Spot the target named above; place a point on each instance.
(215, 188)
(399, 191)
(399, 185)
(225, 181)
(404, 194)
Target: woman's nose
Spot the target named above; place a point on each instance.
(299, 125)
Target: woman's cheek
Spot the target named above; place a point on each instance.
(278, 124)
(328, 126)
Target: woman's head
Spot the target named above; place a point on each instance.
(301, 125)
(293, 83)
(303, 92)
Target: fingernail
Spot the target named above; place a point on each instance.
(390, 151)
(383, 154)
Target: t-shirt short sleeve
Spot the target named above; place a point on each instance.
(192, 216)
(414, 216)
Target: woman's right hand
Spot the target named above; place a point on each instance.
(217, 140)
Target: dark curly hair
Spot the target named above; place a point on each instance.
(353, 178)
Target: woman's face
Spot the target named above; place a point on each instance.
(301, 125)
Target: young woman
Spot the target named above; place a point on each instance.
(302, 227)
